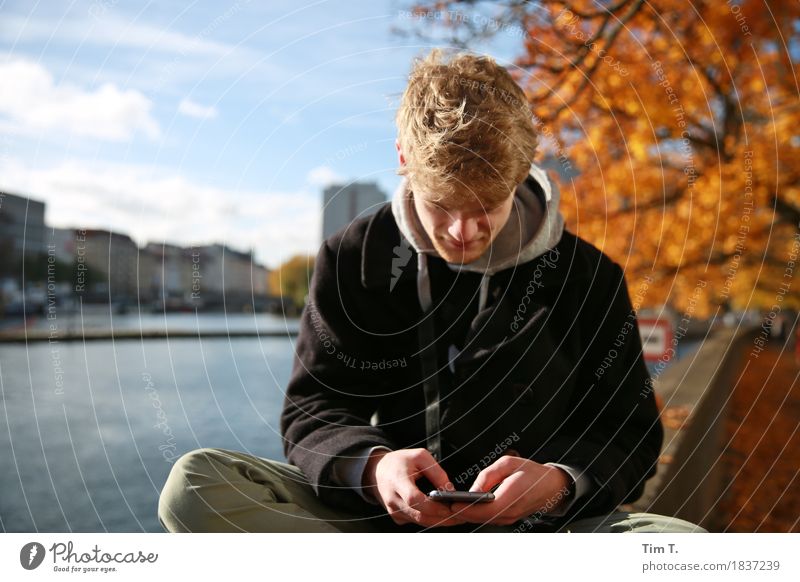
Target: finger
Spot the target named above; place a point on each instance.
(416, 500)
(430, 510)
(428, 466)
(471, 513)
(495, 473)
(402, 513)
(449, 520)
(476, 512)
(410, 493)
(436, 514)
(439, 510)
(410, 515)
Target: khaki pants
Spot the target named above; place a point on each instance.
(217, 490)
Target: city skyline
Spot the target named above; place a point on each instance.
(340, 204)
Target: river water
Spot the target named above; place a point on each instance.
(88, 432)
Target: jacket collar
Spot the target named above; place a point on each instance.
(388, 259)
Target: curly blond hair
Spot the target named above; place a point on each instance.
(465, 129)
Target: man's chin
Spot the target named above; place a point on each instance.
(458, 257)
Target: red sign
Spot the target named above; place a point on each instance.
(656, 339)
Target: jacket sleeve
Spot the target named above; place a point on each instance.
(328, 403)
(612, 430)
(349, 471)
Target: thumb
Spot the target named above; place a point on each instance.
(494, 474)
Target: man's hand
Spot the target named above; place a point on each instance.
(526, 487)
(390, 477)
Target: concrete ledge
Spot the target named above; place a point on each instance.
(695, 392)
(21, 337)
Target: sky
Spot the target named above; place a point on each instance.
(192, 123)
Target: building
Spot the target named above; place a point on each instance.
(109, 266)
(112, 258)
(22, 230)
(223, 269)
(260, 278)
(224, 276)
(343, 204)
(165, 272)
(63, 242)
(22, 255)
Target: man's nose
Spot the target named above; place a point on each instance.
(463, 230)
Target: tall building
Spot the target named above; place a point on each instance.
(343, 204)
(21, 227)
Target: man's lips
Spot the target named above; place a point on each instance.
(457, 244)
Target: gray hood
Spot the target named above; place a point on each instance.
(533, 228)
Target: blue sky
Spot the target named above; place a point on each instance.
(206, 121)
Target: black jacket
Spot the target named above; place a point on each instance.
(553, 361)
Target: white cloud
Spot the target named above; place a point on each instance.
(323, 176)
(152, 205)
(108, 28)
(192, 109)
(171, 58)
(33, 103)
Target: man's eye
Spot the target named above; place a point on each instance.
(438, 208)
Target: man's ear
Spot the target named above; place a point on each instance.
(400, 157)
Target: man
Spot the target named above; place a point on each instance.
(458, 339)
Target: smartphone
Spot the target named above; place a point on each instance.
(465, 496)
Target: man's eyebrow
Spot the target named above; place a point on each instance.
(486, 208)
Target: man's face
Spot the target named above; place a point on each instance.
(461, 235)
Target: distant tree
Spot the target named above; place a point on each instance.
(291, 279)
(676, 129)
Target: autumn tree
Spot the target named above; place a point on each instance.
(291, 279)
(673, 126)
